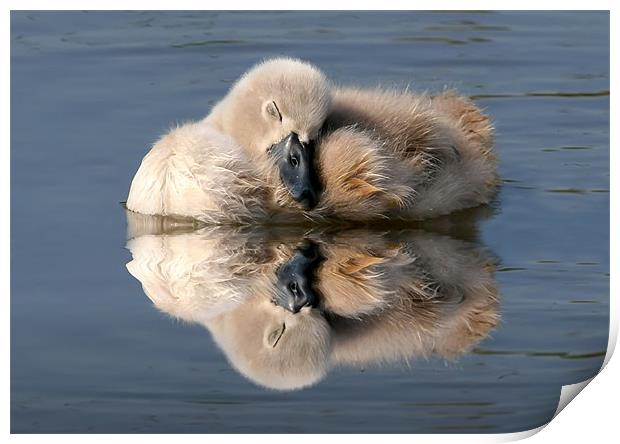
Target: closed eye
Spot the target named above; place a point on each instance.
(273, 111)
(276, 335)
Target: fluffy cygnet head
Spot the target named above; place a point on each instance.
(275, 112)
(273, 347)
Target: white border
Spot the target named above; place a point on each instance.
(592, 417)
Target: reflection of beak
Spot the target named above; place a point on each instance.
(295, 280)
(306, 298)
(296, 164)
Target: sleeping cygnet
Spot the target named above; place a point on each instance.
(284, 146)
(255, 144)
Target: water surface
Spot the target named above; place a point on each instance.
(91, 91)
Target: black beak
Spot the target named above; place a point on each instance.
(295, 279)
(297, 170)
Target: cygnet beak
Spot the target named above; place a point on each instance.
(297, 170)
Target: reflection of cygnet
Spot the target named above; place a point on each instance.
(358, 297)
(192, 276)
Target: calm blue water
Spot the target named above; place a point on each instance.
(91, 91)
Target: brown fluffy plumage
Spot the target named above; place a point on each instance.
(392, 154)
